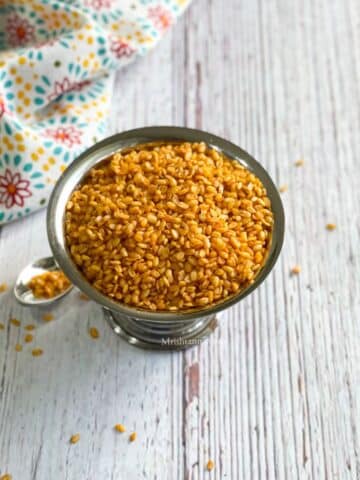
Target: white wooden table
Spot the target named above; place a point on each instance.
(275, 392)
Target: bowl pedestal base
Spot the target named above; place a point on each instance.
(166, 335)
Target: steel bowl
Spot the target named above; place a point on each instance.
(157, 330)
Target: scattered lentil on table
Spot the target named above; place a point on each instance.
(37, 352)
(28, 338)
(169, 227)
(299, 163)
(3, 287)
(15, 322)
(18, 347)
(120, 428)
(210, 465)
(296, 270)
(75, 438)
(94, 332)
(30, 327)
(331, 226)
(6, 476)
(133, 437)
(283, 188)
(47, 317)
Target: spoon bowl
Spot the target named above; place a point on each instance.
(24, 294)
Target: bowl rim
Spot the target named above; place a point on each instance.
(72, 176)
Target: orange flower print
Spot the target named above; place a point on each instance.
(78, 86)
(19, 30)
(13, 189)
(2, 106)
(69, 136)
(161, 17)
(98, 4)
(45, 43)
(65, 86)
(121, 48)
(60, 88)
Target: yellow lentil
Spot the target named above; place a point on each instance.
(94, 332)
(37, 352)
(120, 428)
(6, 476)
(150, 226)
(75, 438)
(331, 226)
(296, 270)
(210, 465)
(49, 284)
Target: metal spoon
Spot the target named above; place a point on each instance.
(24, 294)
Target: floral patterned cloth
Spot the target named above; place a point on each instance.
(56, 59)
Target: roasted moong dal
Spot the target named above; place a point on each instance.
(49, 284)
(169, 227)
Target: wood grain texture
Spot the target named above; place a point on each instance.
(275, 392)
